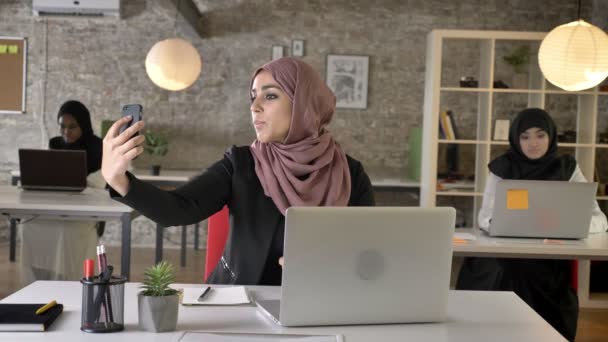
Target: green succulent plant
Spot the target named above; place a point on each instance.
(156, 144)
(519, 59)
(157, 279)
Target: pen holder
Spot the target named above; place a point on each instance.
(103, 304)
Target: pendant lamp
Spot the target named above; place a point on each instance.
(574, 56)
(173, 64)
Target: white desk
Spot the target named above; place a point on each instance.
(91, 204)
(472, 316)
(595, 247)
(168, 178)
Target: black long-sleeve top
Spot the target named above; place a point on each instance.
(255, 240)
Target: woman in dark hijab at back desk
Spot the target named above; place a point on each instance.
(77, 134)
(543, 284)
(54, 249)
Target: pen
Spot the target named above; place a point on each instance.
(202, 296)
(101, 264)
(46, 307)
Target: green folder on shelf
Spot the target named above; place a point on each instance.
(414, 153)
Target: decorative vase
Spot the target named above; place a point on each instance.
(155, 170)
(157, 314)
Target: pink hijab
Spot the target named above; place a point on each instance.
(309, 168)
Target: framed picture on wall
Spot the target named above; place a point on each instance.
(347, 77)
(277, 52)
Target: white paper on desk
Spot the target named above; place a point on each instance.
(465, 236)
(233, 295)
(196, 336)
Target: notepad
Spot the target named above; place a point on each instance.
(234, 295)
(194, 336)
(22, 317)
(517, 199)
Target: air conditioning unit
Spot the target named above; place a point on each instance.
(85, 8)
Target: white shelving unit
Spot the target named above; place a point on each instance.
(476, 134)
(537, 93)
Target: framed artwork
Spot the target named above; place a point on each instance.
(277, 52)
(347, 77)
(297, 47)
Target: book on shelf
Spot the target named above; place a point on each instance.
(445, 124)
(445, 185)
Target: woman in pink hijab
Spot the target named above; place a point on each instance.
(294, 161)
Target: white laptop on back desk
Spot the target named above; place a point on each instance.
(364, 265)
(542, 209)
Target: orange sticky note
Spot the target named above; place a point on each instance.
(517, 199)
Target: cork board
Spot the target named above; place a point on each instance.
(13, 58)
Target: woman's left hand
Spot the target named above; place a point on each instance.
(281, 261)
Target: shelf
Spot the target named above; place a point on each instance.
(602, 198)
(466, 90)
(559, 144)
(561, 92)
(520, 91)
(461, 141)
(496, 142)
(458, 193)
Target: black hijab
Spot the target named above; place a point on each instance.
(88, 141)
(515, 165)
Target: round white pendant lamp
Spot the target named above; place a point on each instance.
(574, 56)
(173, 64)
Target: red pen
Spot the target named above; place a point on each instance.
(89, 269)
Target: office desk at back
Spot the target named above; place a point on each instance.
(175, 178)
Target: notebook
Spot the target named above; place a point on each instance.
(22, 317)
(364, 265)
(235, 295)
(542, 209)
(63, 170)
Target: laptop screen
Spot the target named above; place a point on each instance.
(53, 169)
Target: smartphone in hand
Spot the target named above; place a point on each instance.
(136, 112)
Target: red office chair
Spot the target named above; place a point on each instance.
(218, 227)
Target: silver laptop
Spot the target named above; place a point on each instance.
(542, 209)
(64, 170)
(364, 265)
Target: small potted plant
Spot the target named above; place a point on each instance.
(519, 60)
(156, 146)
(158, 303)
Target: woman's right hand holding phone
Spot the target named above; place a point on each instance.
(118, 151)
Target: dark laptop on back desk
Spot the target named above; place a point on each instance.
(63, 170)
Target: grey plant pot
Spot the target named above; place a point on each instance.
(157, 314)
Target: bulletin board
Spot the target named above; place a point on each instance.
(13, 57)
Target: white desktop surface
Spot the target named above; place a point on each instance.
(472, 316)
(593, 247)
(89, 200)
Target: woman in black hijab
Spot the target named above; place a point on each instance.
(543, 284)
(77, 134)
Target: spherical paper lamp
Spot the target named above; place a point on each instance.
(173, 64)
(574, 56)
